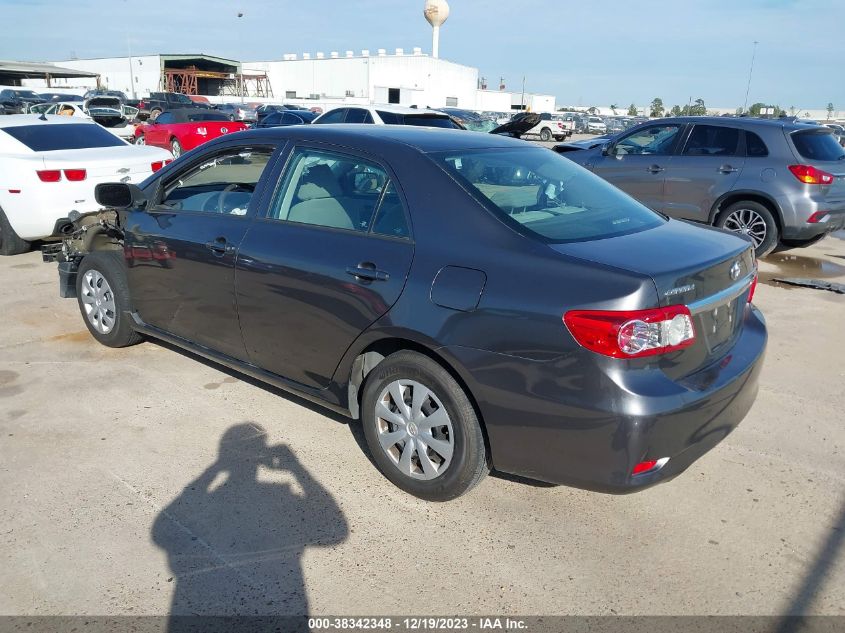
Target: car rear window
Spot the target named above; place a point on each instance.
(422, 119)
(207, 116)
(541, 192)
(818, 145)
(48, 138)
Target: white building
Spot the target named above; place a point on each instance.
(323, 79)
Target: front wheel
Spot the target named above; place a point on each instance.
(139, 140)
(103, 296)
(545, 135)
(753, 220)
(421, 428)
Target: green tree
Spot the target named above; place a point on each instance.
(613, 108)
(657, 109)
(830, 110)
(698, 108)
(792, 110)
(632, 110)
(676, 110)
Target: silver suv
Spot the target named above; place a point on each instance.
(778, 181)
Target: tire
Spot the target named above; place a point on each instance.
(455, 452)
(545, 135)
(103, 297)
(140, 140)
(175, 148)
(10, 243)
(754, 220)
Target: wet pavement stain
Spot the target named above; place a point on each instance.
(788, 265)
(24, 266)
(73, 337)
(216, 385)
(7, 389)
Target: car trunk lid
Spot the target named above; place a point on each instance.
(705, 269)
(107, 163)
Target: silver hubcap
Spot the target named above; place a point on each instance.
(140, 141)
(414, 429)
(748, 222)
(98, 302)
(176, 149)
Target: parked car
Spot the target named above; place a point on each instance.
(595, 125)
(474, 300)
(183, 130)
(839, 131)
(55, 97)
(107, 111)
(159, 102)
(17, 100)
(470, 120)
(552, 126)
(49, 167)
(286, 117)
(238, 111)
(102, 92)
(387, 115)
(774, 181)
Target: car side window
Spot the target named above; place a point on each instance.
(222, 183)
(165, 117)
(275, 118)
(390, 218)
(390, 118)
(712, 140)
(331, 190)
(754, 145)
(358, 115)
(289, 119)
(335, 116)
(654, 140)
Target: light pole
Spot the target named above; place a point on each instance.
(240, 47)
(131, 72)
(750, 72)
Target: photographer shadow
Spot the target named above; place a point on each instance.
(235, 536)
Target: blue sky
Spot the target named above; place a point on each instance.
(588, 53)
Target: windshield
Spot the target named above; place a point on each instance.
(549, 196)
(429, 120)
(180, 98)
(818, 144)
(47, 138)
(26, 94)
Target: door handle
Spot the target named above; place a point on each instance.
(727, 169)
(368, 272)
(220, 247)
(655, 169)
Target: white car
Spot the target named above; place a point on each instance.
(596, 125)
(386, 115)
(49, 166)
(107, 111)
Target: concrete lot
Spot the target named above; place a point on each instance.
(144, 481)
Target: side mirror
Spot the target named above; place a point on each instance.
(118, 195)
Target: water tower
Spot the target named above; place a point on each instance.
(436, 12)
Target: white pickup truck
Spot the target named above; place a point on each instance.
(552, 126)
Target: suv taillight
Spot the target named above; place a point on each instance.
(810, 175)
(632, 334)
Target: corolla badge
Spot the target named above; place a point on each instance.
(123, 170)
(736, 270)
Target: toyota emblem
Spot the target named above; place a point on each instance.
(224, 130)
(736, 270)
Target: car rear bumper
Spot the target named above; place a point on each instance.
(584, 422)
(834, 221)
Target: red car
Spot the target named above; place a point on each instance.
(183, 130)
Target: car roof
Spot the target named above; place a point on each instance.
(742, 121)
(372, 137)
(17, 120)
(389, 107)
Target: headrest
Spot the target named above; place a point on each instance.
(318, 182)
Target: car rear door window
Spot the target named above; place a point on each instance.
(358, 115)
(287, 119)
(48, 138)
(754, 145)
(390, 219)
(223, 183)
(712, 140)
(389, 118)
(335, 116)
(653, 140)
(165, 117)
(818, 144)
(332, 190)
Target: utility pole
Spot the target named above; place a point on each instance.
(131, 71)
(750, 72)
(522, 104)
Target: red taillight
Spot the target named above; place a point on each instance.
(753, 288)
(810, 175)
(76, 175)
(819, 216)
(632, 334)
(159, 164)
(49, 175)
(644, 467)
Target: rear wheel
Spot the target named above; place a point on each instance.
(140, 140)
(10, 243)
(103, 296)
(753, 220)
(421, 428)
(175, 148)
(545, 135)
